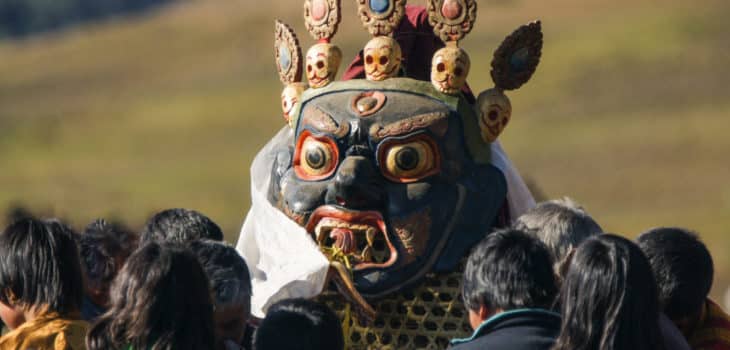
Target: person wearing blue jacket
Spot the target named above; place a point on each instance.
(508, 289)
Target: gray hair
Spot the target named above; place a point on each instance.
(227, 271)
(561, 224)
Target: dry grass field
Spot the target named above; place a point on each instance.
(629, 112)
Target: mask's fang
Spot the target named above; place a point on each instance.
(341, 276)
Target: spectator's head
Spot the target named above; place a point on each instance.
(180, 226)
(104, 247)
(561, 224)
(507, 270)
(231, 288)
(159, 300)
(608, 298)
(299, 324)
(683, 270)
(39, 271)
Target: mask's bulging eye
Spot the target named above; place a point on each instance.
(315, 158)
(409, 160)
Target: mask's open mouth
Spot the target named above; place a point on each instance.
(358, 236)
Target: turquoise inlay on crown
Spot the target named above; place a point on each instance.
(518, 60)
(284, 57)
(379, 6)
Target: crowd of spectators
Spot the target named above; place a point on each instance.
(553, 281)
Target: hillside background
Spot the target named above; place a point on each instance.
(629, 112)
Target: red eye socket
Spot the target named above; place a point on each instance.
(441, 67)
(315, 158)
(383, 60)
(369, 59)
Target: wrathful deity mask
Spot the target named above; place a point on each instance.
(449, 69)
(494, 111)
(382, 58)
(378, 175)
(323, 61)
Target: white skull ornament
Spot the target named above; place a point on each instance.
(323, 61)
(449, 69)
(382, 58)
(290, 100)
(494, 110)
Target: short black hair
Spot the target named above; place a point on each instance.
(99, 246)
(40, 266)
(682, 267)
(180, 226)
(299, 324)
(508, 270)
(226, 270)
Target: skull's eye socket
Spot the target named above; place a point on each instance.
(493, 114)
(441, 67)
(309, 68)
(383, 60)
(369, 59)
(458, 71)
(315, 157)
(320, 64)
(409, 160)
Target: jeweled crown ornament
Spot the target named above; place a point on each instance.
(382, 54)
(513, 64)
(321, 18)
(451, 21)
(289, 63)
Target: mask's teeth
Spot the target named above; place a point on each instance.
(367, 254)
(320, 234)
(370, 235)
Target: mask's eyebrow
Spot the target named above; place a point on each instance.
(323, 122)
(437, 122)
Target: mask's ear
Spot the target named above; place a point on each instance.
(517, 57)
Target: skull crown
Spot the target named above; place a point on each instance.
(382, 58)
(449, 69)
(494, 111)
(323, 61)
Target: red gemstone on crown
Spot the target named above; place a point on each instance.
(451, 9)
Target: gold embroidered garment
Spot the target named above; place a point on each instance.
(49, 332)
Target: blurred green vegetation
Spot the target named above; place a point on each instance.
(19, 18)
(628, 114)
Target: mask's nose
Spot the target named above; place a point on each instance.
(357, 185)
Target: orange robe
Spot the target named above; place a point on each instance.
(49, 332)
(713, 332)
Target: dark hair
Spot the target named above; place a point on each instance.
(40, 266)
(682, 267)
(226, 270)
(299, 324)
(609, 298)
(99, 246)
(509, 270)
(160, 300)
(180, 225)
